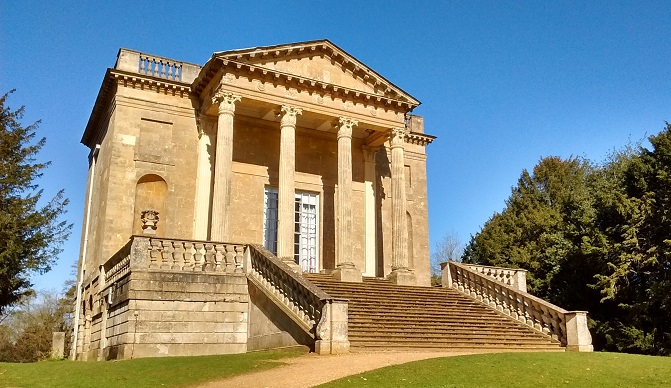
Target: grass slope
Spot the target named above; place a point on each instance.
(520, 370)
(140, 373)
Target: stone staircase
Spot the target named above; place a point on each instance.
(384, 316)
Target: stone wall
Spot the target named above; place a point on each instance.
(179, 314)
(270, 327)
(147, 134)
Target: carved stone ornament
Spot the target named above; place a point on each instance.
(397, 137)
(345, 128)
(289, 114)
(149, 221)
(226, 101)
(228, 79)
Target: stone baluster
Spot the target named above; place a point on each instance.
(286, 190)
(239, 258)
(230, 258)
(208, 265)
(401, 273)
(154, 254)
(188, 254)
(345, 268)
(166, 256)
(223, 163)
(198, 259)
(177, 255)
(219, 258)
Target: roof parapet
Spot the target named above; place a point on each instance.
(154, 66)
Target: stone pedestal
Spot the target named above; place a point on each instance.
(578, 336)
(347, 273)
(403, 277)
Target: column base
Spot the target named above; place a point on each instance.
(347, 272)
(323, 347)
(403, 277)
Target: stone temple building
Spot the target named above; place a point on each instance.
(274, 197)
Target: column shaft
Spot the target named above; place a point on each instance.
(223, 163)
(345, 192)
(286, 190)
(399, 237)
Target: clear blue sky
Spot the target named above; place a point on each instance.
(502, 83)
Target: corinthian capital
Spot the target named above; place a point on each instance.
(345, 128)
(289, 114)
(397, 137)
(226, 101)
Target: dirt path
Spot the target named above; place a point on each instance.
(310, 370)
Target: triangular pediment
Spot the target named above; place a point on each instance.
(322, 61)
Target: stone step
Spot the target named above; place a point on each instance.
(386, 316)
(367, 346)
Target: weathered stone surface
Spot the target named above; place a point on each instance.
(200, 146)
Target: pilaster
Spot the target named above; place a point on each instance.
(222, 165)
(370, 195)
(286, 189)
(203, 178)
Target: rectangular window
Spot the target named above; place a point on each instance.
(306, 227)
(306, 231)
(270, 220)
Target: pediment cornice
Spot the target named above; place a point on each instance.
(249, 62)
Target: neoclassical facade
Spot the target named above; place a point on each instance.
(299, 149)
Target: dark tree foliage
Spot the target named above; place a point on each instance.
(31, 234)
(595, 238)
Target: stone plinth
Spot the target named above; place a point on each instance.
(347, 273)
(403, 277)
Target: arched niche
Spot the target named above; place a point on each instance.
(151, 193)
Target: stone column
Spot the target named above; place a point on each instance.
(400, 273)
(345, 268)
(223, 162)
(203, 179)
(286, 190)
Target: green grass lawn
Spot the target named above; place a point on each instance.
(483, 370)
(140, 373)
(521, 370)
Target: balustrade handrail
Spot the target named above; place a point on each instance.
(118, 265)
(496, 267)
(516, 278)
(156, 66)
(526, 308)
(298, 295)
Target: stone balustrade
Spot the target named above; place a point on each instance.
(516, 278)
(155, 66)
(118, 265)
(321, 316)
(567, 327)
(317, 313)
(195, 256)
